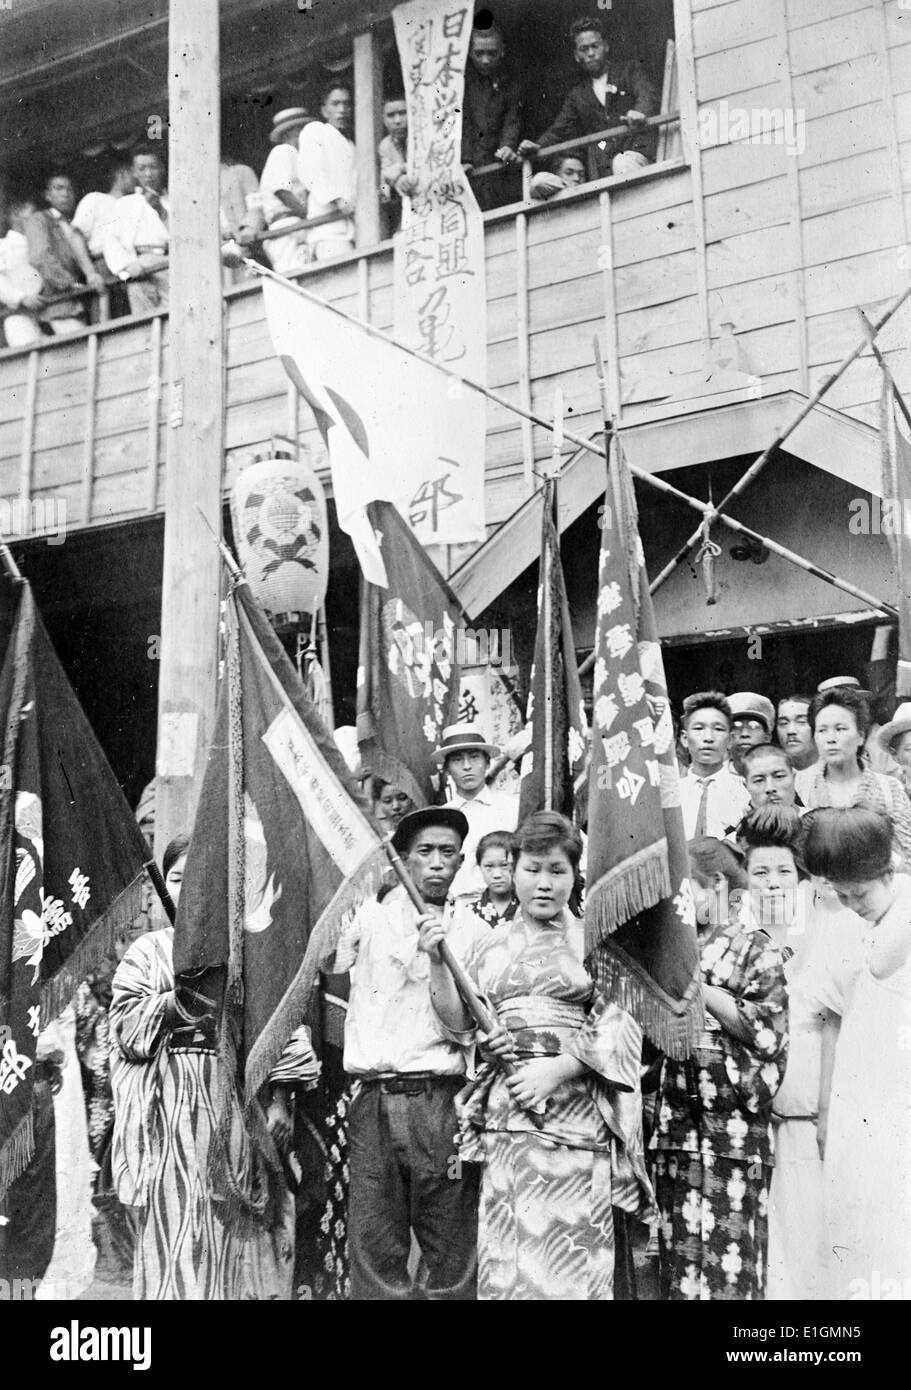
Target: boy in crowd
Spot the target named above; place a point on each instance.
(713, 798)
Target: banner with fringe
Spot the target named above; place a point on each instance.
(71, 857)
(282, 850)
(639, 911)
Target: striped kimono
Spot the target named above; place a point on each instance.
(164, 1102)
(546, 1225)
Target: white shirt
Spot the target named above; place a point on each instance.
(280, 171)
(18, 277)
(327, 167)
(391, 1025)
(92, 218)
(134, 223)
(600, 87)
(487, 811)
(727, 802)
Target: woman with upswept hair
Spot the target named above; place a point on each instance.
(560, 1141)
(864, 1107)
(712, 1140)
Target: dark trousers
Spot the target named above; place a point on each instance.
(406, 1176)
(27, 1240)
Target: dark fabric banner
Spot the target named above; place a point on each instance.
(554, 767)
(640, 918)
(72, 860)
(412, 634)
(281, 847)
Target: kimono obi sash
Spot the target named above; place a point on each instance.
(540, 1025)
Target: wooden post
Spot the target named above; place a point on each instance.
(368, 123)
(191, 586)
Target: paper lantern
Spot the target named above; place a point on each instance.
(281, 532)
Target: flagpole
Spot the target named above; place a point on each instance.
(9, 564)
(886, 370)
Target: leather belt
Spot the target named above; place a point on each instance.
(411, 1083)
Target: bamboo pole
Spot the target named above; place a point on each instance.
(758, 464)
(648, 479)
(886, 370)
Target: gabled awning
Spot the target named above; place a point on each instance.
(837, 443)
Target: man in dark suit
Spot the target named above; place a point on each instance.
(611, 94)
(491, 117)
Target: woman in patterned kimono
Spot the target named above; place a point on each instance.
(163, 1080)
(712, 1135)
(561, 1139)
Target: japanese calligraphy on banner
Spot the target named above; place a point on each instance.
(440, 293)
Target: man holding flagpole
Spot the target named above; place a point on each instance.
(405, 1171)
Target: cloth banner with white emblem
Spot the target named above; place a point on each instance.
(412, 634)
(282, 847)
(640, 919)
(71, 859)
(440, 286)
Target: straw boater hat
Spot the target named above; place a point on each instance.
(286, 120)
(414, 822)
(745, 704)
(900, 723)
(839, 682)
(464, 738)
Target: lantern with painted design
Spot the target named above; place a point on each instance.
(281, 531)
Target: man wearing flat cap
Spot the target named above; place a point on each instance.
(465, 755)
(752, 723)
(405, 1172)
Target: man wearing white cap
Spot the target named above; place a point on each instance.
(281, 176)
(752, 722)
(895, 739)
(465, 756)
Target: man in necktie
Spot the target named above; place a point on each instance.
(136, 241)
(713, 799)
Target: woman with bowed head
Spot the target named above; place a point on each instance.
(841, 723)
(864, 1111)
(560, 1140)
(712, 1136)
(809, 927)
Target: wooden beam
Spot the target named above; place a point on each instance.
(88, 447)
(154, 409)
(368, 122)
(191, 587)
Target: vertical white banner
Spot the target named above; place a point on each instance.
(440, 291)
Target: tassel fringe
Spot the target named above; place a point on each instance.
(98, 943)
(16, 1154)
(640, 882)
(673, 1025)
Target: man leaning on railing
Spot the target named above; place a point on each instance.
(610, 95)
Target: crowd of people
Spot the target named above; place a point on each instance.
(64, 262)
(557, 1154)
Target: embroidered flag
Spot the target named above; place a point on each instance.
(408, 670)
(71, 859)
(640, 916)
(281, 849)
(554, 768)
(896, 486)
